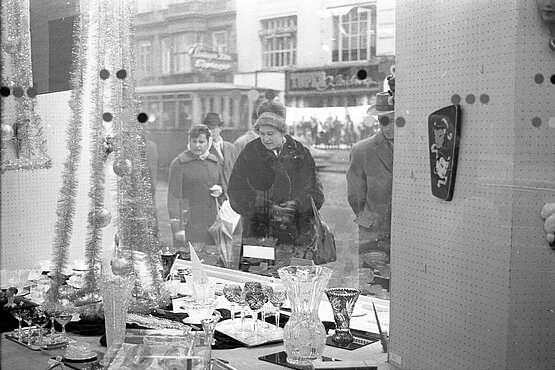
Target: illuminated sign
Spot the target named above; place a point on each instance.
(204, 58)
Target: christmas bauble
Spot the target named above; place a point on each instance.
(123, 167)
(7, 132)
(11, 45)
(120, 265)
(100, 219)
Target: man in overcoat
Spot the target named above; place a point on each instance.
(223, 150)
(369, 180)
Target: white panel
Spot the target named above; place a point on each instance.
(29, 198)
(473, 279)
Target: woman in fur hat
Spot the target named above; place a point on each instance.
(272, 182)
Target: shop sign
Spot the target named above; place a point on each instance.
(334, 79)
(207, 59)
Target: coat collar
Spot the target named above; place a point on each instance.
(187, 156)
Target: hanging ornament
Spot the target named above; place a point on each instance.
(11, 45)
(7, 132)
(121, 265)
(101, 219)
(123, 167)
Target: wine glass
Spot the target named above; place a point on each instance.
(267, 289)
(41, 320)
(17, 314)
(232, 292)
(27, 316)
(255, 300)
(277, 299)
(63, 318)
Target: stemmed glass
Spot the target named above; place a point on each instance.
(267, 289)
(249, 286)
(27, 316)
(40, 319)
(63, 318)
(255, 299)
(17, 314)
(232, 292)
(277, 299)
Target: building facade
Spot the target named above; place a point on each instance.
(317, 53)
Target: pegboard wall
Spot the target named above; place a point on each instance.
(29, 198)
(473, 279)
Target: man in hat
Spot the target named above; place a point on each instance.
(369, 181)
(223, 150)
(272, 183)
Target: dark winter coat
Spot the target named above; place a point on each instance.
(261, 179)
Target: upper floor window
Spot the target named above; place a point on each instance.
(219, 42)
(354, 35)
(181, 46)
(279, 41)
(144, 58)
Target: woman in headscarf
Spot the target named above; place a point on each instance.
(195, 180)
(272, 183)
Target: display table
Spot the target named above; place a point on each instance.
(17, 357)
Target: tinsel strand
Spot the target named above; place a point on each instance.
(66, 202)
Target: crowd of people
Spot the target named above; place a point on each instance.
(270, 178)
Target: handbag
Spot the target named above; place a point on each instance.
(322, 246)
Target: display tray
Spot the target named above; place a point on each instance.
(266, 333)
(280, 358)
(58, 341)
(358, 341)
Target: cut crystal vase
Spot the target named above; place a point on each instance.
(342, 303)
(304, 335)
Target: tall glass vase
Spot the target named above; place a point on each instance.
(304, 335)
(342, 303)
(116, 293)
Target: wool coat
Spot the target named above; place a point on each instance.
(369, 185)
(189, 198)
(260, 179)
(228, 160)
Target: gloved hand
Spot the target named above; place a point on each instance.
(216, 191)
(548, 214)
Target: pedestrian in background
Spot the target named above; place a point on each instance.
(195, 180)
(223, 150)
(369, 181)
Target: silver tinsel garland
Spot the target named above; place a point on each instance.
(106, 41)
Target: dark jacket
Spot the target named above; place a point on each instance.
(369, 183)
(261, 179)
(227, 162)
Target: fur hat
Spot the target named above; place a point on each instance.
(270, 119)
(382, 105)
(212, 120)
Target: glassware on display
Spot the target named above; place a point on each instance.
(342, 303)
(27, 316)
(40, 320)
(63, 319)
(116, 293)
(255, 299)
(267, 293)
(277, 299)
(17, 314)
(304, 335)
(232, 292)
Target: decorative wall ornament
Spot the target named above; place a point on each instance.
(443, 132)
(546, 9)
(23, 145)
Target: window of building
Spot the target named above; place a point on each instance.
(354, 35)
(144, 58)
(219, 42)
(279, 41)
(166, 56)
(181, 58)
